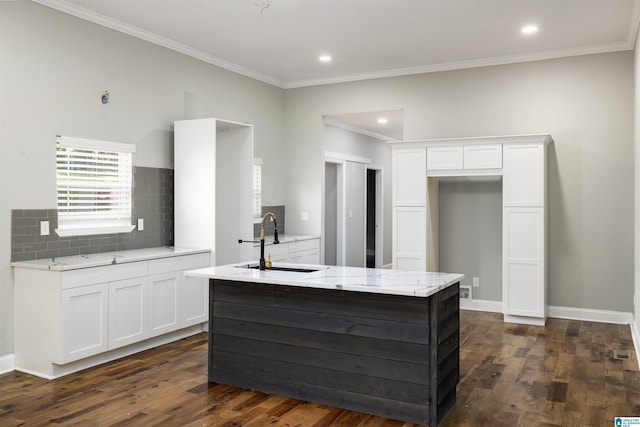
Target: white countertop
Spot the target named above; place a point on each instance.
(381, 281)
(106, 258)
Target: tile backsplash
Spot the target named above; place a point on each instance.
(268, 224)
(152, 201)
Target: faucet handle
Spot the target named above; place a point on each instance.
(268, 263)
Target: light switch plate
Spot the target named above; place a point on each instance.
(304, 216)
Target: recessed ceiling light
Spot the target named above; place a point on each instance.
(324, 58)
(529, 29)
(383, 121)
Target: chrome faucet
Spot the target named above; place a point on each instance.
(275, 238)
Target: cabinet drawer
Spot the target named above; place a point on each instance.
(107, 273)
(178, 263)
(444, 158)
(484, 156)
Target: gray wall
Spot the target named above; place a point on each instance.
(584, 102)
(470, 212)
(53, 69)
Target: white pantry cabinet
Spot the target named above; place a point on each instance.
(521, 161)
(213, 176)
(67, 320)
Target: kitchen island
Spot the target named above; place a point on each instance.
(383, 342)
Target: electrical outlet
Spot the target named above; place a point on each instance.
(304, 216)
(476, 282)
(140, 224)
(44, 228)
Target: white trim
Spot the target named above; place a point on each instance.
(481, 305)
(339, 124)
(635, 335)
(590, 315)
(7, 363)
(332, 157)
(462, 65)
(89, 231)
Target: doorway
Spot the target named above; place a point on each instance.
(373, 255)
(334, 242)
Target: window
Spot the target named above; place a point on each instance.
(94, 182)
(257, 188)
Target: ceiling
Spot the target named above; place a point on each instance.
(279, 41)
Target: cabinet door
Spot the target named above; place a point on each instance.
(410, 238)
(164, 302)
(483, 156)
(127, 312)
(524, 278)
(524, 175)
(195, 300)
(444, 158)
(84, 321)
(409, 176)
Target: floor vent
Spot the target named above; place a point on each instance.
(621, 354)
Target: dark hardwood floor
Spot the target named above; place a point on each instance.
(510, 375)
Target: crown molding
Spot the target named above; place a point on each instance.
(461, 65)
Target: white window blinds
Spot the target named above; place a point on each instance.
(94, 180)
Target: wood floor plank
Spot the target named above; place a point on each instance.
(563, 374)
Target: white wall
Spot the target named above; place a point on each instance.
(585, 103)
(53, 69)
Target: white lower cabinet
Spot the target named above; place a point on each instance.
(164, 302)
(524, 278)
(127, 311)
(85, 317)
(195, 300)
(74, 319)
(409, 238)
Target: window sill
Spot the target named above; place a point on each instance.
(89, 231)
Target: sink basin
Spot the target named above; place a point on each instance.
(281, 268)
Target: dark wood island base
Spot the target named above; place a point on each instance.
(387, 355)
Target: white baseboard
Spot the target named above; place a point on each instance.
(6, 363)
(590, 315)
(635, 335)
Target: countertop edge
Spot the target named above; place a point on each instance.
(106, 258)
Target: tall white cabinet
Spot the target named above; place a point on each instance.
(213, 187)
(521, 161)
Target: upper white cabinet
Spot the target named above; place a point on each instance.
(483, 156)
(213, 187)
(524, 182)
(409, 176)
(521, 161)
(463, 160)
(445, 157)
